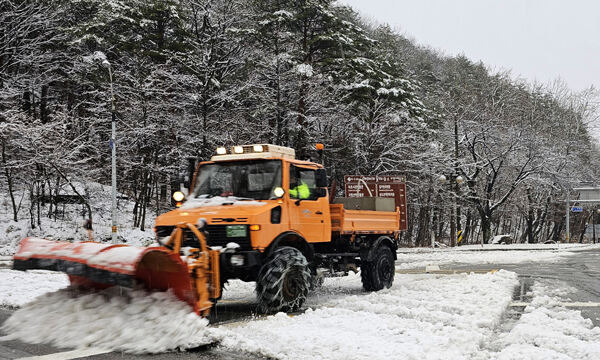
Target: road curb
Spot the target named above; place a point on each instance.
(450, 250)
(445, 271)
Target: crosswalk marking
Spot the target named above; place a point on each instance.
(564, 304)
(67, 355)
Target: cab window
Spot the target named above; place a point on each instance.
(247, 179)
(302, 183)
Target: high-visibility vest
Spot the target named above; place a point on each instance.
(301, 191)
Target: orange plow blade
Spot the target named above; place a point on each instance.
(97, 265)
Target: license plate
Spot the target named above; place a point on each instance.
(236, 230)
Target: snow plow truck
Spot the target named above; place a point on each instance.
(252, 212)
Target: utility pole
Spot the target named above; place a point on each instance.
(432, 227)
(594, 224)
(113, 146)
(453, 218)
(568, 219)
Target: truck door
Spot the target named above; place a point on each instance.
(309, 214)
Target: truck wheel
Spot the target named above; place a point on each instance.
(283, 281)
(379, 272)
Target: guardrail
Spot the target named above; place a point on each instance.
(5, 262)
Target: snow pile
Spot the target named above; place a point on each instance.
(134, 321)
(305, 70)
(20, 287)
(97, 56)
(547, 330)
(11, 233)
(442, 257)
(238, 290)
(433, 317)
(283, 13)
(197, 202)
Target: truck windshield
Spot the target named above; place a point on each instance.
(254, 179)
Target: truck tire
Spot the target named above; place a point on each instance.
(379, 272)
(283, 281)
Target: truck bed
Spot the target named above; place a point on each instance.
(347, 222)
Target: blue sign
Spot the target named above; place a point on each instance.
(577, 209)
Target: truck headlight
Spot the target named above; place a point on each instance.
(221, 151)
(258, 148)
(178, 196)
(237, 260)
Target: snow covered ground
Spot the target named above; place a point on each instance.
(421, 259)
(18, 287)
(70, 227)
(557, 246)
(499, 247)
(131, 321)
(421, 317)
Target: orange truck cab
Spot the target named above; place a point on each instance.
(270, 216)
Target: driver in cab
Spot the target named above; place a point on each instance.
(299, 189)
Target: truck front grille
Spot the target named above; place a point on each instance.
(217, 236)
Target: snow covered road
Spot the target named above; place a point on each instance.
(421, 259)
(463, 316)
(548, 330)
(18, 287)
(419, 315)
(423, 316)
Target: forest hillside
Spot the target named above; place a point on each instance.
(191, 75)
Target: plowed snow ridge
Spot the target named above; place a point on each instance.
(420, 317)
(133, 322)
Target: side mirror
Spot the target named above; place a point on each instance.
(320, 192)
(321, 178)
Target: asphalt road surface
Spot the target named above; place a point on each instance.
(581, 272)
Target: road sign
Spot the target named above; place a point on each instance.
(588, 194)
(577, 209)
(387, 186)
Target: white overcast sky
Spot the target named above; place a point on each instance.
(536, 39)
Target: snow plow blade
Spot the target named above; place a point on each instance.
(96, 265)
